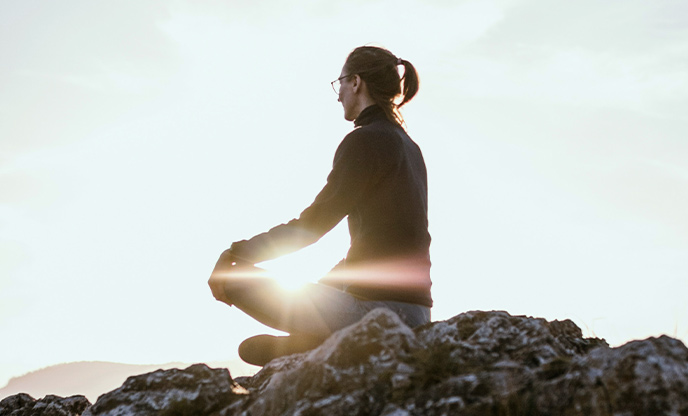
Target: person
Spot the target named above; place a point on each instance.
(379, 181)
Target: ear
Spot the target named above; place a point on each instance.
(356, 83)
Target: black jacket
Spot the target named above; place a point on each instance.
(379, 181)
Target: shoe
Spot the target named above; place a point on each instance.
(261, 349)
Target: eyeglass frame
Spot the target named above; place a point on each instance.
(339, 83)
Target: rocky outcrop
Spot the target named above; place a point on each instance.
(87, 378)
(24, 405)
(477, 363)
(197, 390)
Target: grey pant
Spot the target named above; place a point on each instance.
(316, 310)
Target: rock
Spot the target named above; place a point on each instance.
(351, 373)
(197, 390)
(477, 363)
(647, 377)
(24, 405)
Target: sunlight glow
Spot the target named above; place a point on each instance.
(311, 263)
(289, 275)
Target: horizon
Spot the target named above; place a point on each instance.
(138, 140)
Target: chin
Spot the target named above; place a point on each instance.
(348, 116)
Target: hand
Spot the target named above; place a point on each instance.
(218, 277)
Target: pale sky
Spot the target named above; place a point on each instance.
(138, 139)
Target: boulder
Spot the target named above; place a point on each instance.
(476, 363)
(197, 390)
(24, 405)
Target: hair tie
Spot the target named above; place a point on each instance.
(399, 61)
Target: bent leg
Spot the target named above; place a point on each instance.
(316, 310)
(309, 315)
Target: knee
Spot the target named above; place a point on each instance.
(217, 287)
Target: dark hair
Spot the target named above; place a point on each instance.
(378, 67)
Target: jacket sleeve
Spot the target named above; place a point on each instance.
(351, 175)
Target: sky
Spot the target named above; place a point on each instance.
(139, 139)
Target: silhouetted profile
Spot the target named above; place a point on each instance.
(379, 182)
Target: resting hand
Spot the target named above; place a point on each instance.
(218, 277)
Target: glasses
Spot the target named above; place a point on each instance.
(337, 83)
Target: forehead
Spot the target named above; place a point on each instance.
(346, 70)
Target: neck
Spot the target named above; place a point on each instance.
(363, 103)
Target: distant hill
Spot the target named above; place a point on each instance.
(93, 378)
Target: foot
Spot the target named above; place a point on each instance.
(262, 349)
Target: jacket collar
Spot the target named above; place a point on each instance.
(370, 114)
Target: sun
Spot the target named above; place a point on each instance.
(292, 273)
(311, 263)
(288, 278)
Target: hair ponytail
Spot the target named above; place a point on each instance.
(379, 68)
(410, 82)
